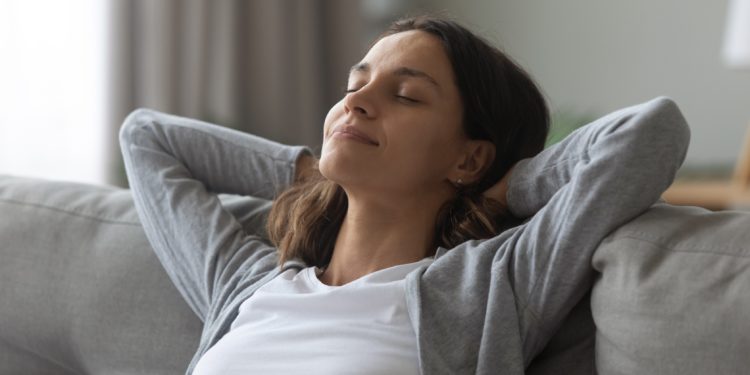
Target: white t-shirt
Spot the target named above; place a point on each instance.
(295, 324)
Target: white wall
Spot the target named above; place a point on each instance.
(602, 55)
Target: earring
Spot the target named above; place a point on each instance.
(459, 181)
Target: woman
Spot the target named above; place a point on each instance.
(399, 251)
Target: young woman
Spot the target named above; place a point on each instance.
(433, 235)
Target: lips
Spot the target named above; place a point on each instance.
(354, 133)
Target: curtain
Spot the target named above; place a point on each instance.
(271, 68)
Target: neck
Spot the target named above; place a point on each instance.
(376, 235)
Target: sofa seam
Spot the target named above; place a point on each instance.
(682, 250)
(71, 212)
(44, 357)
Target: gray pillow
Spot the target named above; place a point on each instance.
(80, 288)
(674, 294)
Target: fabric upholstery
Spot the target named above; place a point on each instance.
(674, 294)
(82, 293)
(80, 290)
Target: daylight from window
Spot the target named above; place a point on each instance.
(52, 89)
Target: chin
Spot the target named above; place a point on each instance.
(335, 168)
(346, 171)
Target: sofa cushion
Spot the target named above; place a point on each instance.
(674, 294)
(80, 288)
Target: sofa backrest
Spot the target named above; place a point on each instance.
(81, 291)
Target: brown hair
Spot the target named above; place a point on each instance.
(501, 104)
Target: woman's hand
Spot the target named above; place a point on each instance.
(304, 168)
(499, 191)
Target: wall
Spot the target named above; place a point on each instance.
(595, 56)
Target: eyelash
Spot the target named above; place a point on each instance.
(406, 98)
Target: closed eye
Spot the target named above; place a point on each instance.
(400, 97)
(405, 98)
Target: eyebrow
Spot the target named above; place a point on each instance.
(402, 71)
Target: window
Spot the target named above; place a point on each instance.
(52, 89)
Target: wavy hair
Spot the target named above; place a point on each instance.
(501, 104)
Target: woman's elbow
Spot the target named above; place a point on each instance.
(671, 123)
(138, 119)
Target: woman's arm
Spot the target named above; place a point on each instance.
(578, 191)
(176, 167)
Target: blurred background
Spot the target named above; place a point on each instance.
(71, 71)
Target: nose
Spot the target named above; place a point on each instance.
(359, 102)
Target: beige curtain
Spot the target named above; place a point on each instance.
(272, 68)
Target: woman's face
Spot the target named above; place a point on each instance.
(398, 128)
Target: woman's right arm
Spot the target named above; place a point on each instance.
(176, 167)
(578, 191)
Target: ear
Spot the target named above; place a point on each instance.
(477, 157)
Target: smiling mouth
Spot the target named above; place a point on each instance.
(352, 134)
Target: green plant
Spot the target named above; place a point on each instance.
(564, 122)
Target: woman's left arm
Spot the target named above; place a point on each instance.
(177, 167)
(578, 191)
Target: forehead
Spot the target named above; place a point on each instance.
(414, 49)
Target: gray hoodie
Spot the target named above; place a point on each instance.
(485, 306)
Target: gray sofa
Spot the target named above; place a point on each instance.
(82, 293)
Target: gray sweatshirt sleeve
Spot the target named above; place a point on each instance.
(598, 178)
(176, 168)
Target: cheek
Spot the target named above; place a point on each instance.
(424, 150)
(336, 111)
(332, 116)
(432, 136)
(338, 161)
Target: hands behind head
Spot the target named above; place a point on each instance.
(499, 190)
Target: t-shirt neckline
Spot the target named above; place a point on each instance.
(312, 274)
